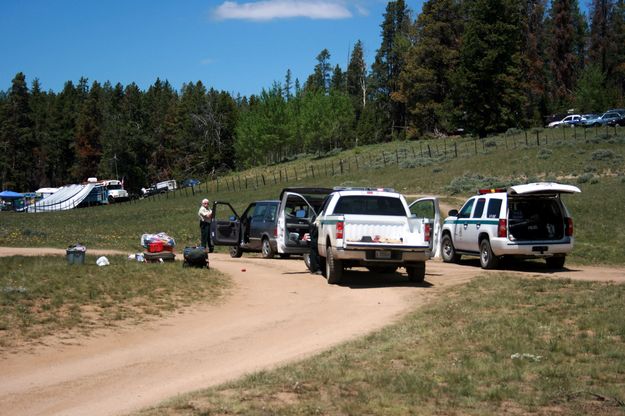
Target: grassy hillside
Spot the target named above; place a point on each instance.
(593, 159)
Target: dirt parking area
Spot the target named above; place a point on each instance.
(277, 313)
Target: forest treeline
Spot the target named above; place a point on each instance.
(482, 66)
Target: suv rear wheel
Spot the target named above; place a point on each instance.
(267, 252)
(236, 252)
(487, 258)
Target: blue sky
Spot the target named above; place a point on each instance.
(235, 46)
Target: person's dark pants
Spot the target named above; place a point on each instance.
(205, 235)
(315, 259)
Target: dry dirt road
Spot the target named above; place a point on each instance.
(276, 313)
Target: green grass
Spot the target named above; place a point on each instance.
(500, 344)
(595, 164)
(41, 296)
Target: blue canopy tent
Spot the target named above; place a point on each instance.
(14, 200)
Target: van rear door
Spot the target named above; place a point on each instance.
(543, 188)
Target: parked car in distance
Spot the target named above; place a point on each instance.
(188, 183)
(524, 221)
(568, 121)
(166, 186)
(149, 191)
(606, 118)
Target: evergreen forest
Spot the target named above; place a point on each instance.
(475, 67)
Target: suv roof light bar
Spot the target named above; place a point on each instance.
(490, 191)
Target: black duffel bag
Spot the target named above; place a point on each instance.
(195, 257)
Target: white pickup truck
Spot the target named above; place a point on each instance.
(377, 229)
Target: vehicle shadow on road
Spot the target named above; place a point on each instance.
(516, 265)
(364, 279)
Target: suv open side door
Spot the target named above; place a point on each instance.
(226, 225)
(428, 208)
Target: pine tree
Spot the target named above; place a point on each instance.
(425, 80)
(600, 13)
(616, 50)
(288, 84)
(337, 83)
(533, 63)
(388, 65)
(17, 139)
(565, 50)
(489, 80)
(89, 126)
(319, 80)
(356, 79)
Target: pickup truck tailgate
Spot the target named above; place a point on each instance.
(385, 231)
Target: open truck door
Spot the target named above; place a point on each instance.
(226, 225)
(428, 208)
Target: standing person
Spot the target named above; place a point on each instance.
(315, 259)
(206, 216)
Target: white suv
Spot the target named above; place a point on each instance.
(524, 221)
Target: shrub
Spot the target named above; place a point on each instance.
(544, 153)
(471, 182)
(586, 177)
(603, 154)
(414, 163)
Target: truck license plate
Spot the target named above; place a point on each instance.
(382, 254)
(540, 249)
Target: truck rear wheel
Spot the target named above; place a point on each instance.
(556, 262)
(334, 268)
(416, 272)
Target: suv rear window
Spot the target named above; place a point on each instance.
(479, 208)
(494, 208)
(370, 205)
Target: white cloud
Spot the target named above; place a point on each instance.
(282, 9)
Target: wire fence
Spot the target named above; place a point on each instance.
(405, 155)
